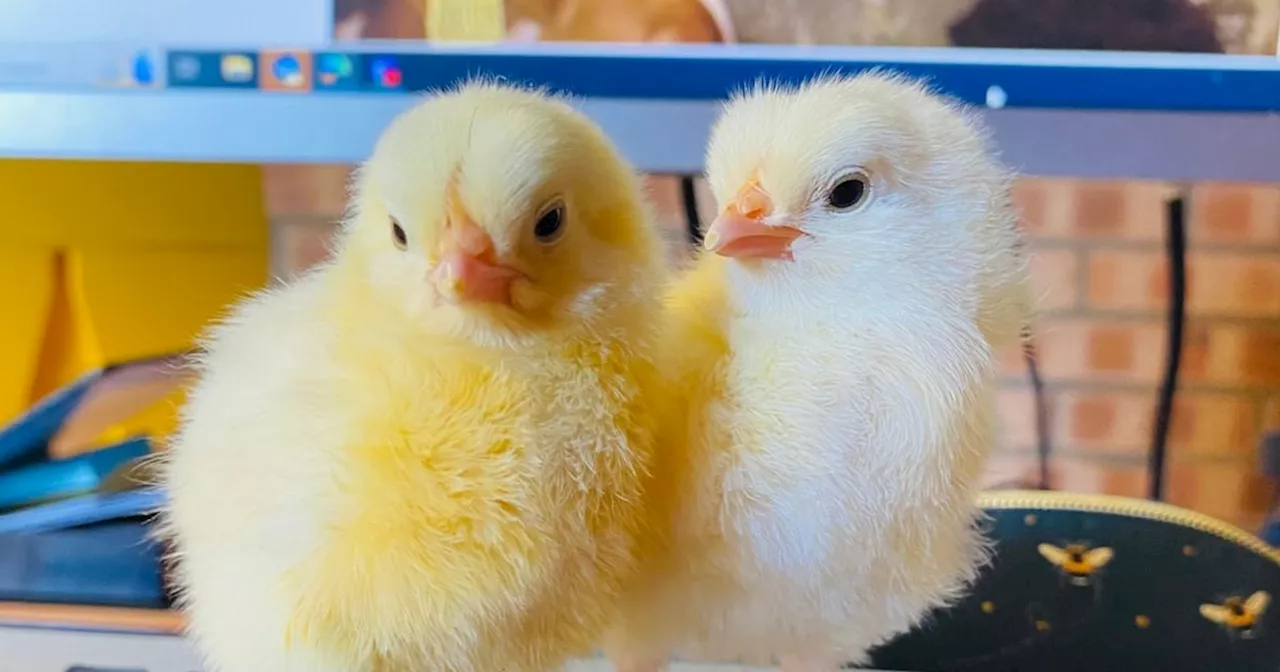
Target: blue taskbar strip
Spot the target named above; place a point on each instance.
(997, 78)
(1080, 114)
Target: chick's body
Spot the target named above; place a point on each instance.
(429, 453)
(837, 372)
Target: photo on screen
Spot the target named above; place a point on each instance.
(1185, 26)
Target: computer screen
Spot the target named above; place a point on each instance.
(298, 23)
(1171, 26)
(651, 72)
(1245, 26)
(1226, 26)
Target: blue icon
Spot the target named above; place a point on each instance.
(211, 69)
(143, 71)
(335, 71)
(386, 73)
(186, 68)
(288, 71)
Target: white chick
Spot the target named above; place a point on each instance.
(838, 369)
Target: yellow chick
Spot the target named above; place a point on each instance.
(837, 368)
(430, 453)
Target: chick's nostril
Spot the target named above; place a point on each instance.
(752, 202)
(473, 240)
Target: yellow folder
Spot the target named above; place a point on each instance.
(104, 262)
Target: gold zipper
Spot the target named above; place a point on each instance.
(1126, 506)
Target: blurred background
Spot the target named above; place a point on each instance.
(111, 268)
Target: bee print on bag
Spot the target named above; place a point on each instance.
(1238, 615)
(1077, 562)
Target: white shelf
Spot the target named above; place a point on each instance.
(657, 136)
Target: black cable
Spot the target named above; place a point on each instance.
(689, 196)
(1043, 444)
(1177, 251)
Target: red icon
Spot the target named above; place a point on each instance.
(386, 73)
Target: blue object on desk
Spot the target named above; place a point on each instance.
(93, 549)
(54, 479)
(79, 511)
(27, 436)
(111, 563)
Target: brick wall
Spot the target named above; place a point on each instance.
(1099, 264)
(1097, 258)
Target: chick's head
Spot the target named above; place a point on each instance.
(861, 188)
(497, 211)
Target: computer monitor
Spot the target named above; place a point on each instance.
(1178, 89)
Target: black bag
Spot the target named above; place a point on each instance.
(1094, 582)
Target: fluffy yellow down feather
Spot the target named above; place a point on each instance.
(381, 469)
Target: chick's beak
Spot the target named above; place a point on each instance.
(740, 231)
(468, 270)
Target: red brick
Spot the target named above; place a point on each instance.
(1122, 280)
(1219, 354)
(1053, 278)
(1100, 209)
(1071, 473)
(1102, 420)
(1017, 418)
(1233, 491)
(1102, 350)
(319, 190)
(1031, 196)
(1068, 473)
(1046, 206)
(1194, 364)
(1258, 355)
(1233, 285)
(1270, 420)
(1146, 213)
(1121, 210)
(1235, 213)
(663, 192)
(1083, 474)
(1109, 348)
(1012, 363)
(1213, 424)
(299, 244)
(1121, 422)
(1239, 356)
(1218, 283)
(1010, 470)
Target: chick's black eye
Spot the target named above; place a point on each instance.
(849, 192)
(550, 225)
(398, 236)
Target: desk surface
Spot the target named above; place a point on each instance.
(156, 621)
(161, 621)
